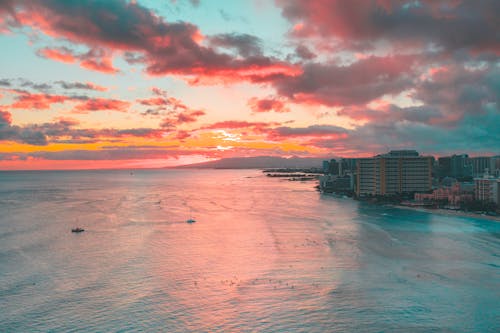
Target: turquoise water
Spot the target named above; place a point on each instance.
(265, 255)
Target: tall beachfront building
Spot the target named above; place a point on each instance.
(487, 188)
(479, 165)
(399, 171)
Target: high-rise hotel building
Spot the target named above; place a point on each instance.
(399, 171)
(487, 188)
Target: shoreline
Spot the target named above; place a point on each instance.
(438, 211)
(447, 212)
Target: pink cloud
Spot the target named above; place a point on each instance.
(267, 105)
(310, 132)
(99, 104)
(241, 124)
(189, 116)
(184, 117)
(181, 135)
(5, 118)
(128, 28)
(62, 55)
(103, 65)
(26, 100)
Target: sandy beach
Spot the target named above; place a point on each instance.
(449, 212)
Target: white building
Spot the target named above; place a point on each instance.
(487, 188)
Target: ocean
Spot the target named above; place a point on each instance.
(265, 255)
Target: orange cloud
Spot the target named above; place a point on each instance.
(103, 65)
(27, 100)
(57, 54)
(99, 104)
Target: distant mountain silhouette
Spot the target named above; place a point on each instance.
(259, 162)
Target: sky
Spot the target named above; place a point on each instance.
(147, 83)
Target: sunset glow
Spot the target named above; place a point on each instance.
(121, 84)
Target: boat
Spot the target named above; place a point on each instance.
(77, 230)
(191, 219)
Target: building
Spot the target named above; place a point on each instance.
(444, 167)
(480, 165)
(402, 153)
(452, 195)
(366, 176)
(331, 167)
(487, 188)
(333, 183)
(347, 166)
(398, 172)
(456, 166)
(461, 166)
(334, 167)
(326, 167)
(494, 168)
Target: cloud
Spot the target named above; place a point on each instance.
(325, 131)
(36, 86)
(32, 137)
(98, 60)
(452, 25)
(304, 52)
(154, 101)
(178, 112)
(446, 95)
(44, 101)
(456, 90)
(115, 27)
(188, 116)
(79, 85)
(181, 135)
(354, 84)
(65, 130)
(61, 54)
(472, 133)
(168, 103)
(26, 100)
(240, 124)
(21, 83)
(476, 133)
(99, 104)
(421, 114)
(19, 134)
(267, 105)
(246, 45)
(152, 112)
(5, 118)
(405, 73)
(112, 154)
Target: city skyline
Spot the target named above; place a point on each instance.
(100, 84)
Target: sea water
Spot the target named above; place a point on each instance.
(265, 255)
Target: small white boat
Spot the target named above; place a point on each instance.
(191, 219)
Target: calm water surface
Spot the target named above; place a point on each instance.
(265, 255)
